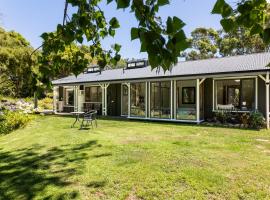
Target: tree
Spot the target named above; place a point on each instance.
(163, 42)
(203, 44)
(209, 43)
(240, 42)
(17, 67)
(252, 15)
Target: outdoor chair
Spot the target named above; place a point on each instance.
(89, 118)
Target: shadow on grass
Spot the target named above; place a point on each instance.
(29, 172)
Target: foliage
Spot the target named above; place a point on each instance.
(257, 120)
(203, 43)
(162, 42)
(253, 120)
(222, 116)
(17, 67)
(253, 15)
(45, 103)
(240, 42)
(10, 121)
(208, 43)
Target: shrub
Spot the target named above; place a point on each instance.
(46, 103)
(222, 116)
(245, 119)
(256, 120)
(10, 121)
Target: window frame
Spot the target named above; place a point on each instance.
(214, 92)
(194, 95)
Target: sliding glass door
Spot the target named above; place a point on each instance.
(137, 99)
(186, 100)
(160, 99)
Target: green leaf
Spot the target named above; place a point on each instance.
(123, 3)
(134, 33)
(117, 47)
(178, 23)
(79, 38)
(221, 7)
(111, 32)
(227, 24)
(163, 2)
(109, 1)
(169, 25)
(114, 23)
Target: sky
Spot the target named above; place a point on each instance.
(33, 17)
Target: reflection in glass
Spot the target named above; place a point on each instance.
(137, 99)
(124, 99)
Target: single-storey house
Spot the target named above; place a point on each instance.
(190, 92)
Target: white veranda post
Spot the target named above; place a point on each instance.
(267, 99)
(104, 98)
(198, 84)
(55, 97)
(198, 100)
(266, 80)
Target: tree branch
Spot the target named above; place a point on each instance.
(65, 12)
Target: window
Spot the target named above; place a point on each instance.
(69, 97)
(186, 100)
(161, 99)
(188, 95)
(137, 99)
(235, 94)
(93, 94)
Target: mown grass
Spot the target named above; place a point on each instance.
(133, 160)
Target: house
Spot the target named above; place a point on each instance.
(190, 92)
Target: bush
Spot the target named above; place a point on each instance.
(10, 121)
(46, 103)
(222, 116)
(256, 120)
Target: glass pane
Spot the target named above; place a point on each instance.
(161, 100)
(235, 94)
(69, 97)
(124, 100)
(186, 100)
(248, 94)
(93, 94)
(137, 101)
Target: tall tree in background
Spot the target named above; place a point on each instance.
(210, 43)
(203, 44)
(240, 42)
(17, 68)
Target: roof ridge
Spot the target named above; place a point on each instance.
(225, 57)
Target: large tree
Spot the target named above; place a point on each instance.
(162, 39)
(17, 68)
(240, 42)
(209, 43)
(163, 42)
(203, 44)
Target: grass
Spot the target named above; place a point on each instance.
(133, 160)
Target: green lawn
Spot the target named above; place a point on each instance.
(133, 160)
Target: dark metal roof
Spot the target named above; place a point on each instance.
(233, 64)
